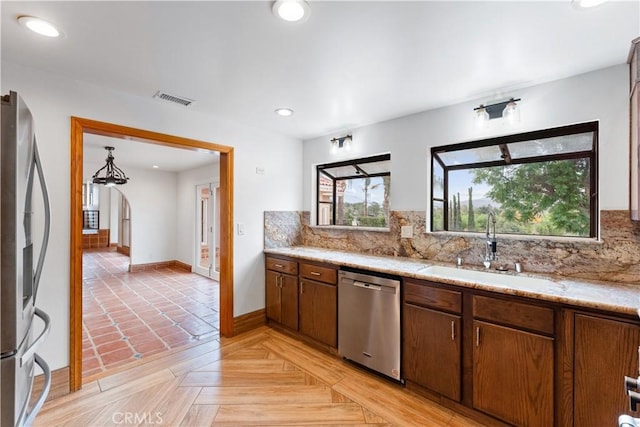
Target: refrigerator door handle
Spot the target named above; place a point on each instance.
(36, 343)
(27, 418)
(47, 221)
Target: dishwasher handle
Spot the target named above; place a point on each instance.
(365, 285)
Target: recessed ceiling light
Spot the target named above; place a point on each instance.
(284, 112)
(39, 26)
(291, 10)
(155, 166)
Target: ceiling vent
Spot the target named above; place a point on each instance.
(185, 102)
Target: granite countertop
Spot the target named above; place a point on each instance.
(607, 296)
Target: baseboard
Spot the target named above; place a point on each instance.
(134, 268)
(59, 384)
(182, 265)
(124, 250)
(113, 245)
(249, 321)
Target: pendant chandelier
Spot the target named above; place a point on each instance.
(113, 174)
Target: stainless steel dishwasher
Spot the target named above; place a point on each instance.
(369, 321)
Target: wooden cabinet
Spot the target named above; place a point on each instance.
(318, 313)
(281, 291)
(513, 374)
(432, 338)
(605, 351)
(432, 350)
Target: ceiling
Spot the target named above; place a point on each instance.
(142, 155)
(348, 65)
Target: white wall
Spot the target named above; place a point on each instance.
(152, 198)
(114, 215)
(53, 99)
(186, 224)
(601, 95)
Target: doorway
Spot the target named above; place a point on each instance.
(79, 127)
(207, 238)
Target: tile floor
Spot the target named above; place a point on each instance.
(129, 316)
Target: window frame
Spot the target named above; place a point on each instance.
(321, 170)
(501, 142)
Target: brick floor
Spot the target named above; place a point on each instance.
(129, 316)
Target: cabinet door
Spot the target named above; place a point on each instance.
(513, 375)
(272, 292)
(318, 312)
(605, 351)
(432, 350)
(289, 301)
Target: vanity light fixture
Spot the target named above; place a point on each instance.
(39, 26)
(342, 143)
(508, 110)
(113, 174)
(291, 10)
(284, 112)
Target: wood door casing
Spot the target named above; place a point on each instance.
(319, 311)
(605, 351)
(513, 375)
(432, 350)
(80, 126)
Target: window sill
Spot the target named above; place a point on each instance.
(482, 235)
(352, 228)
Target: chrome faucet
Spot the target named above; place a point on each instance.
(491, 250)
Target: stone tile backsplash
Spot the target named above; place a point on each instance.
(615, 258)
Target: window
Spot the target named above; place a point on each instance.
(354, 192)
(537, 183)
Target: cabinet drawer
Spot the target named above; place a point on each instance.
(282, 265)
(426, 295)
(514, 313)
(319, 273)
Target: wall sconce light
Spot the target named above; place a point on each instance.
(113, 175)
(343, 142)
(508, 110)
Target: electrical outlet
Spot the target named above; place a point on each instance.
(406, 231)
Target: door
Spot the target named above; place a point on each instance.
(513, 375)
(207, 238)
(432, 350)
(318, 311)
(273, 297)
(605, 352)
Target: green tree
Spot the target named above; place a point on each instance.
(459, 213)
(529, 192)
(366, 188)
(471, 223)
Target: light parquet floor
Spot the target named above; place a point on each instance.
(261, 378)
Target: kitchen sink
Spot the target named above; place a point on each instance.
(487, 277)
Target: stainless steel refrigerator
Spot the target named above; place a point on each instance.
(20, 273)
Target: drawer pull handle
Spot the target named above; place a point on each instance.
(301, 287)
(478, 336)
(315, 273)
(278, 265)
(453, 330)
